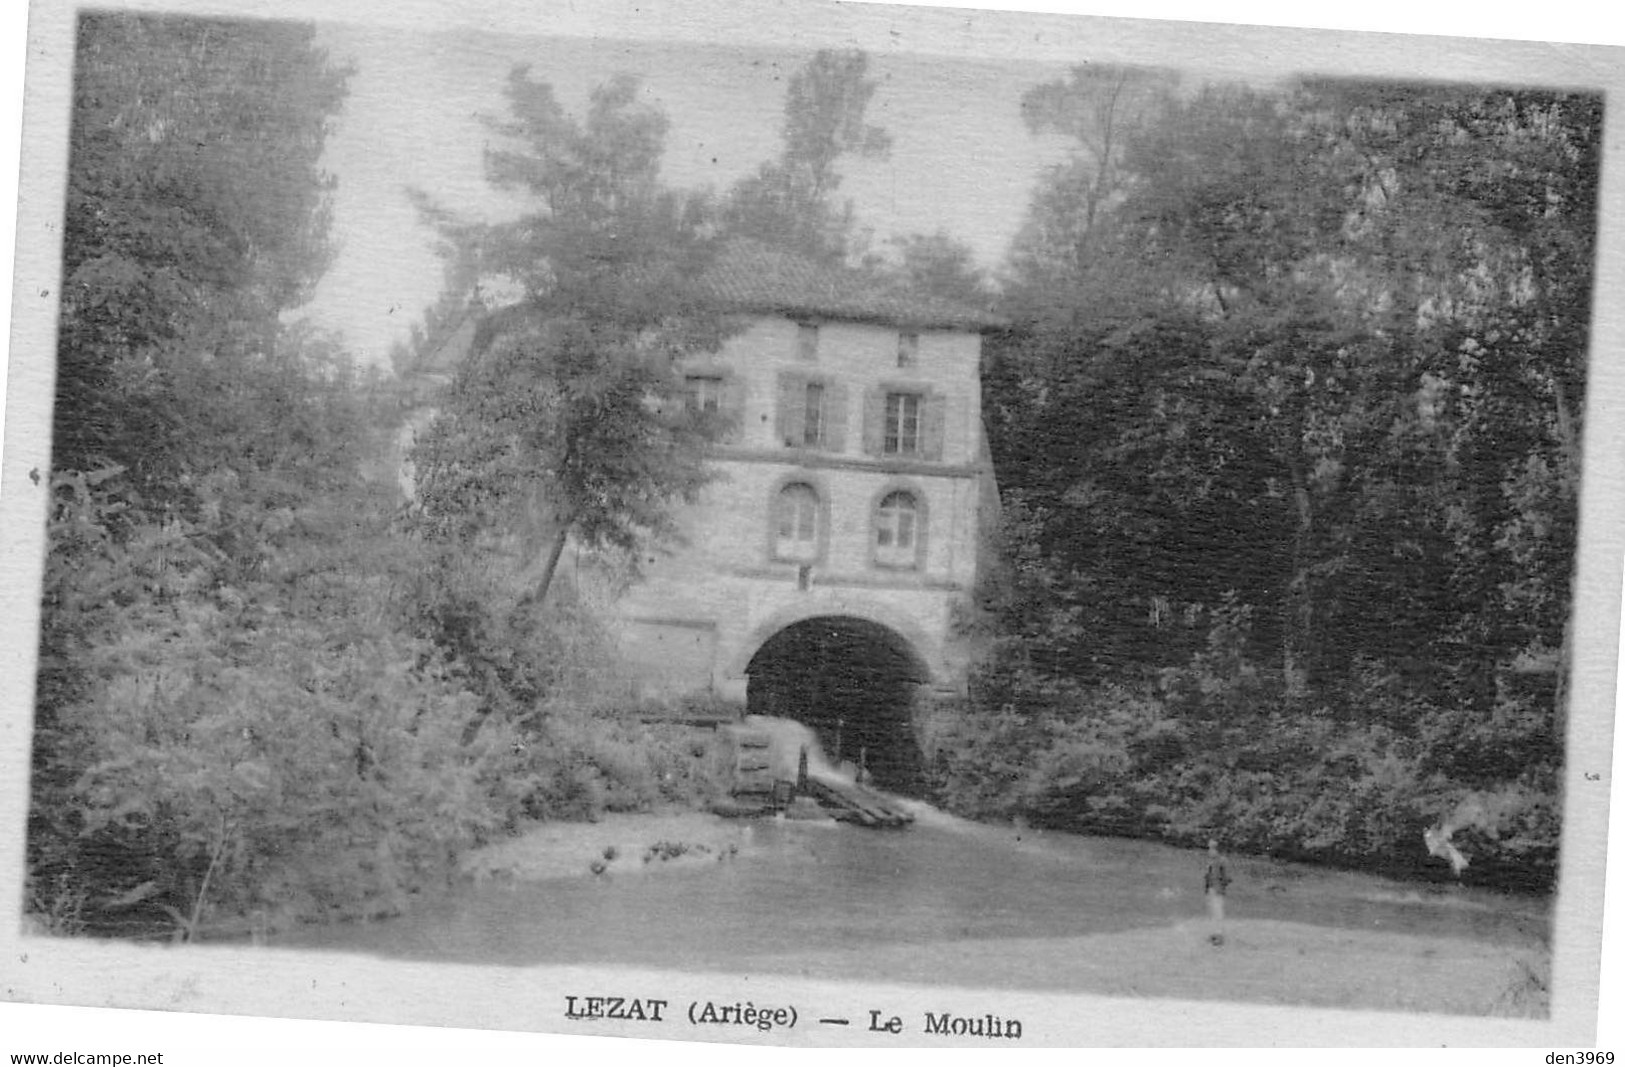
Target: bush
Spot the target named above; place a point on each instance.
(544, 674)
(517, 656)
(232, 765)
(214, 739)
(1052, 752)
(579, 766)
(1221, 748)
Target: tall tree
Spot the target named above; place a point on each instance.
(1292, 440)
(196, 214)
(791, 201)
(568, 421)
(1348, 357)
(1099, 110)
(940, 265)
(200, 448)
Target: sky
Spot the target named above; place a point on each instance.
(961, 161)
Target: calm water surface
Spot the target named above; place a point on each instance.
(803, 886)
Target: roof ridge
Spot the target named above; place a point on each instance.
(757, 276)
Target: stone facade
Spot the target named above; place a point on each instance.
(856, 485)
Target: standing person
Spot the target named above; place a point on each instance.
(1214, 884)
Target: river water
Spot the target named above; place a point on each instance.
(803, 887)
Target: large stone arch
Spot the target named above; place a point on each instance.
(854, 682)
(926, 651)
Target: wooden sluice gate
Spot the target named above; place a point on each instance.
(762, 786)
(853, 803)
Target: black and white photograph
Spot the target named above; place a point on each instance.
(810, 524)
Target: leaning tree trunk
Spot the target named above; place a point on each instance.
(537, 594)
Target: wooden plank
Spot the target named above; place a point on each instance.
(856, 803)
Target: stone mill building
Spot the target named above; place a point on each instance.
(821, 574)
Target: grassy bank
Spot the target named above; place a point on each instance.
(1348, 775)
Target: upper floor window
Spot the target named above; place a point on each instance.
(811, 412)
(703, 394)
(796, 519)
(807, 342)
(902, 426)
(897, 530)
(908, 349)
(904, 422)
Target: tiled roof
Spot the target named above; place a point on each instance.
(748, 276)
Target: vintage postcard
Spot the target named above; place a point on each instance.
(808, 524)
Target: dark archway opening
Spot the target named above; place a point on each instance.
(853, 682)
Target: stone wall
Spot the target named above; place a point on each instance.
(727, 588)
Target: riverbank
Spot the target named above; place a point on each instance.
(614, 845)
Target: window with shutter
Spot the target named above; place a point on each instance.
(703, 394)
(811, 413)
(901, 429)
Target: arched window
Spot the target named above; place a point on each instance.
(795, 523)
(897, 530)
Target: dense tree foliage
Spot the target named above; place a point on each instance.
(1330, 341)
(1099, 109)
(241, 719)
(940, 266)
(195, 216)
(568, 420)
